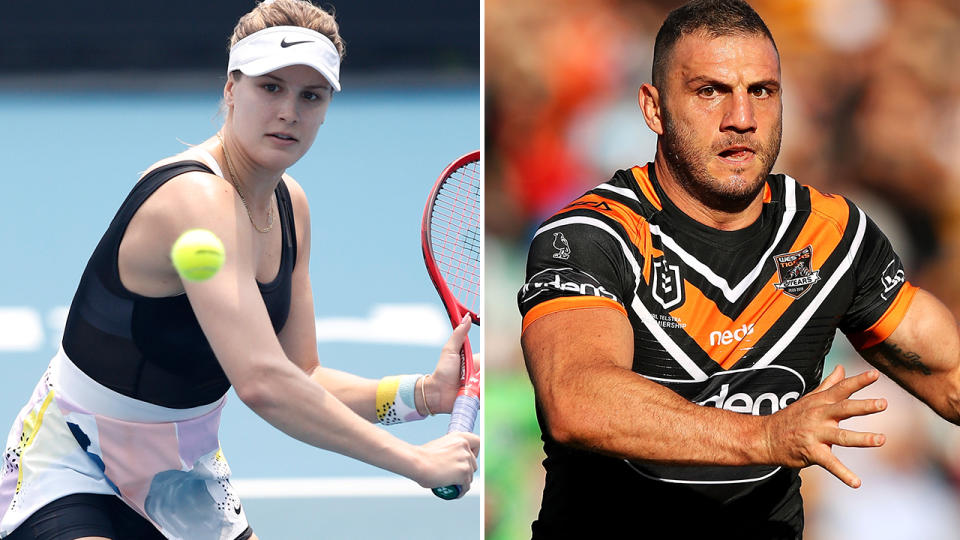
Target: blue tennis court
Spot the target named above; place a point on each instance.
(69, 160)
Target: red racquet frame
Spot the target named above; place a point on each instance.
(467, 404)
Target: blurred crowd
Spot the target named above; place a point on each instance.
(871, 111)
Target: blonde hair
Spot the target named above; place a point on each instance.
(289, 13)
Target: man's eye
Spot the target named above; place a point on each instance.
(707, 91)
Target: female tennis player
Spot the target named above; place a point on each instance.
(119, 439)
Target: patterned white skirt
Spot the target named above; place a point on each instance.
(77, 436)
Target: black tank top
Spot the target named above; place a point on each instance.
(153, 349)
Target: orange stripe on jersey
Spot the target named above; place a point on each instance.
(648, 252)
(708, 326)
(756, 320)
(622, 214)
(767, 194)
(636, 227)
(568, 303)
(646, 187)
(726, 340)
(882, 329)
(700, 315)
(830, 207)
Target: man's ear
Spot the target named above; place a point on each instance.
(649, 99)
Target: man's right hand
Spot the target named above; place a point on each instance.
(804, 432)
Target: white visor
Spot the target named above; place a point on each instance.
(280, 46)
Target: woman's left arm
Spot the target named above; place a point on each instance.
(299, 339)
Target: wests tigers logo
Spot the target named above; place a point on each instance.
(796, 272)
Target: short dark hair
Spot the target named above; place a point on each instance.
(715, 18)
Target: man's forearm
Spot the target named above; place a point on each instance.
(579, 363)
(936, 387)
(619, 413)
(923, 355)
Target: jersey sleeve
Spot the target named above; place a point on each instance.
(882, 294)
(575, 266)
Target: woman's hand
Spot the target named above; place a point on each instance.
(442, 385)
(449, 460)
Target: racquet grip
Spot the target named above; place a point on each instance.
(462, 417)
(464, 413)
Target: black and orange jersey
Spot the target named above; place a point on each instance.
(739, 320)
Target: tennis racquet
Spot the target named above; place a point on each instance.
(450, 234)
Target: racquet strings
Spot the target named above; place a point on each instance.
(455, 234)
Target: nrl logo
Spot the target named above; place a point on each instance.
(667, 284)
(796, 274)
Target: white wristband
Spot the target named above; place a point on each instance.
(396, 399)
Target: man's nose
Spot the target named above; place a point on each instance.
(739, 115)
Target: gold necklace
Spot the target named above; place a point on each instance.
(233, 180)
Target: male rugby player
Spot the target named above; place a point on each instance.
(676, 317)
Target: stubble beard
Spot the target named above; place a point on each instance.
(689, 166)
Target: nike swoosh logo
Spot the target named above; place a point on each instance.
(284, 43)
(236, 509)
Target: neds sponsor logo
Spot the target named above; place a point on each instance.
(756, 391)
(564, 280)
(727, 337)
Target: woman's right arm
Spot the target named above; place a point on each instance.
(235, 321)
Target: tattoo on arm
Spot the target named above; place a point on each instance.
(897, 358)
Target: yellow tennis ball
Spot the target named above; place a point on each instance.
(197, 255)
